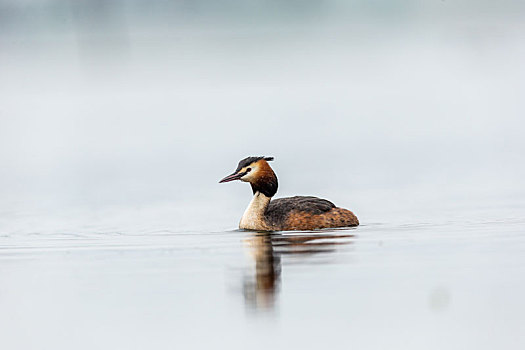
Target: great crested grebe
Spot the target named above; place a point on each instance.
(283, 214)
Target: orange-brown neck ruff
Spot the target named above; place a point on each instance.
(265, 180)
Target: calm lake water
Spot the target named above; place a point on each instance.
(117, 122)
(428, 278)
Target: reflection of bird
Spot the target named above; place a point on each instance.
(261, 292)
(283, 214)
(266, 250)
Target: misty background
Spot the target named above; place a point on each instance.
(118, 101)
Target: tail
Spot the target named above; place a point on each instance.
(340, 217)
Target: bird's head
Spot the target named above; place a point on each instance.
(258, 173)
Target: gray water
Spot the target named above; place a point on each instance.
(116, 127)
(452, 280)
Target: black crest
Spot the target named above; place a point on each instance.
(249, 160)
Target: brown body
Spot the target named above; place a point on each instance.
(284, 214)
(336, 217)
(305, 213)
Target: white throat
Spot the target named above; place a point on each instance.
(253, 217)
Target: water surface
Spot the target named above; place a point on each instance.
(444, 282)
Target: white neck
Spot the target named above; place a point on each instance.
(253, 217)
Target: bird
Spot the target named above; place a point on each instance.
(301, 213)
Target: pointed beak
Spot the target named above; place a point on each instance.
(232, 177)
